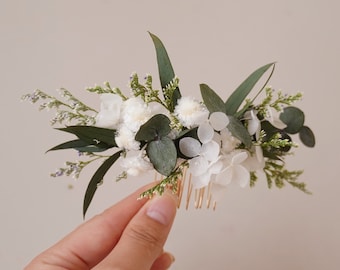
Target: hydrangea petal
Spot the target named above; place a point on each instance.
(239, 157)
(201, 180)
(198, 166)
(210, 150)
(241, 175)
(205, 132)
(225, 177)
(189, 147)
(253, 123)
(218, 120)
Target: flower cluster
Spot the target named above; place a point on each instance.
(214, 141)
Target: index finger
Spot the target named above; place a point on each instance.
(92, 241)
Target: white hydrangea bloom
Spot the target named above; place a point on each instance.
(125, 139)
(205, 160)
(190, 112)
(135, 113)
(234, 169)
(136, 164)
(228, 142)
(273, 117)
(109, 114)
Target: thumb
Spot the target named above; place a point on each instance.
(144, 237)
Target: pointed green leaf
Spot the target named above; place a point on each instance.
(239, 95)
(166, 72)
(74, 144)
(155, 128)
(97, 179)
(78, 145)
(163, 155)
(213, 102)
(307, 136)
(239, 131)
(93, 135)
(294, 118)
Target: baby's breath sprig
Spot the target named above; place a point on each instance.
(277, 174)
(168, 182)
(146, 91)
(285, 99)
(277, 104)
(276, 141)
(107, 89)
(75, 168)
(169, 91)
(72, 110)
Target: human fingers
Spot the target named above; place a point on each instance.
(92, 241)
(163, 262)
(144, 237)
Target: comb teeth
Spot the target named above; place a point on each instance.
(201, 197)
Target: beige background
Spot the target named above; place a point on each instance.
(74, 44)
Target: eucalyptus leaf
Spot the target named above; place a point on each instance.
(239, 131)
(166, 72)
(307, 136)
(294, 118)
(93, 135)
(238, 96)
(155, 128)
(211, 100)
(163, 155)
(96, 179)
(74, 144)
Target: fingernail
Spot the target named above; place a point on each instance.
(162, 208)
(172, 257)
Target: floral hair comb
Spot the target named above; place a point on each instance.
(199, 146)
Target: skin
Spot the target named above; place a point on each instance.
(129, 235)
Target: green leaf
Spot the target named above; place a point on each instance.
(166, 72)
(239, 131)
(294, 118)
(239, 95)
(93, 135)
(96, 179)
(155, 128)
(163, 155)
(78, 145)
(213, 102)
(307, 136)
(74, 144)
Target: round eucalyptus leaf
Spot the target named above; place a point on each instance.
(155, 128)
(294, 118)
(307, 136)
(163, 155)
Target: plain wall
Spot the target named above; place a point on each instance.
(75, 44)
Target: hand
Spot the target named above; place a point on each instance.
(129, 235)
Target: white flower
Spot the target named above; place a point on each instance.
(254, 124)
(255, 161)
(205, 160)
(135, 113)
(273, 117)
(125, 139)
(216, 122)
(136, 164)
(229, 142)
(109, 114)
(190, 112)
(234, 171)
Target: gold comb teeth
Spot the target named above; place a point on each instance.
(201, 197)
